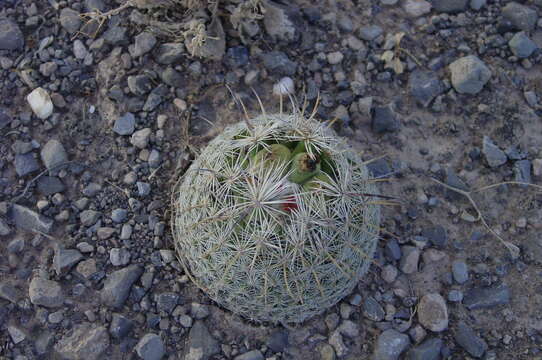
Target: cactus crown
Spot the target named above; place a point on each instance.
(274, 220)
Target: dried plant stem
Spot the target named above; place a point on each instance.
(513, 249)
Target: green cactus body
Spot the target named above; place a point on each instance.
(303, 168)
(285, 238)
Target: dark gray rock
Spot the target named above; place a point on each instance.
(450, 6)
(45, 292)
(150, 347)
(522, 171)
(469, 74)
(25, 164)
(433, 312)
(116, 35)
(172, 77)
(139, 84)
(392, 249)
(278, 62)
(373, 310)
(44, 341)
(379, 168)
(469, 340)
(120, 326)
(477, 4)
(16, 245)
(4, 228)
(424, 86)
(65, 259)
(250, 355)
(119, 215)
(11, 37)
(169, 53)
(5, 119)
(236, 56)
(49, 185)
(92, 189)
(460, 271)
(494, 155)
(166, 302)
(521, 45)
(125, 125)
(390, 345)
(455, 296)
(93, 5)
(428, 350)
(118, 284)
(89, 217)
(370, 32)
(9, 292)
(85, 342)
(385, 119)
(28, 220)
(70, 20)
(144, 43)
(201, 344)
(436, 235)
(155, 98)
(410, 259)
(278, 341)
(520, 16)
(480, 298)
(53, 155)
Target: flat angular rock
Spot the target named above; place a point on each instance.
(45, 292)
(494, 155)
(49, 185)
(201, 344)
(70, 20)
(25, 164)
(9, 292)
(450, 6)
(469, 74)
(125, 125)
(28, 220)
(416, 8)
(118, 284)
(428, 350)
(390, 345)
(4, 228)
(150, 347)
(53, 155)
(65, 259)
(385, 119)
(169, 53)
(11, 36)
(480, 298)
(424, 86)
(144, 43)
(433, 312)
(120, 326)
(520, 16)
(521, 45)
(470, 341)
(85, 342)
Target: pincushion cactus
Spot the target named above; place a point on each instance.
(276, 220)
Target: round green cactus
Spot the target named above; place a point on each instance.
(275, 220)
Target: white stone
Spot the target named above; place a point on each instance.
(284, 87)
(41, 103)
(417, 8)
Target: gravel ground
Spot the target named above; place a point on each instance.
(94, 132)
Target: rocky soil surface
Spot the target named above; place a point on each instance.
(95, 131)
